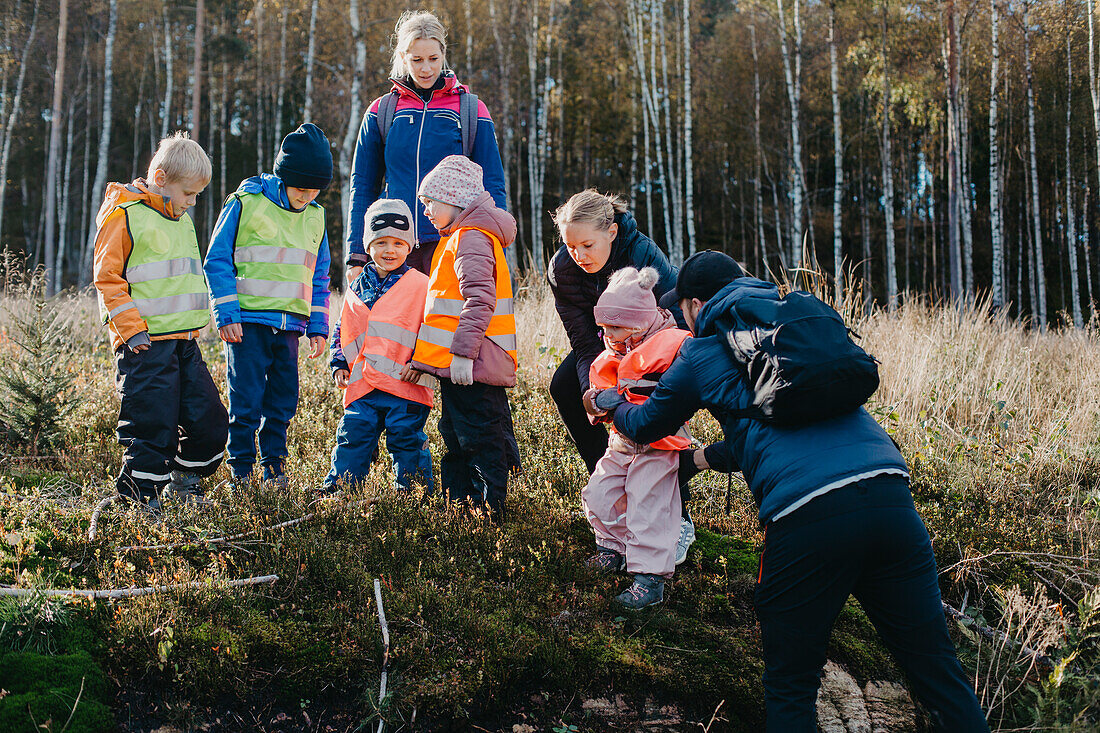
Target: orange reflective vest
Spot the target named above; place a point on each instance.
(445, 303)
(636, 374)
(378, 342)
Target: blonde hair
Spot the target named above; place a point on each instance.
(415, 26)
(590, 207)
(181, 159)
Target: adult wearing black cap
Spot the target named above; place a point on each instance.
(839, 520)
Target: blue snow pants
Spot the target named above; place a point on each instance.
(360, 430)
(263, 394)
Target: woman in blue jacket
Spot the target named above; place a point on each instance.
(424, 111)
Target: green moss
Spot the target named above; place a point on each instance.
(44, 688)
(716, 551)
(857, 646)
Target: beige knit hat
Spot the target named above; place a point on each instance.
(628, 301)
(457, 181)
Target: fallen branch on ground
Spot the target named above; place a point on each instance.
(131, 592)
(93, 526)
(1042, 661)
(385, 649)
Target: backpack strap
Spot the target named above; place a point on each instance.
(467, 113)
(386, 110)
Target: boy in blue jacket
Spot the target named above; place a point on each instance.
(268, 273)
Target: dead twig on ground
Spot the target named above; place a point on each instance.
(131, 592)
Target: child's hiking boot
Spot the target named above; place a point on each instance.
(646, 590)
(607, 560)
(186, 488)
(274, 478)
(687, 537)
(146, 503)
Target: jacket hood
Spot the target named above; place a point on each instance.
(271, 187)
(138, 190)
(484, 214)
(723, 301)
(451, 85)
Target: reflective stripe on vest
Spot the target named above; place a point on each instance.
(164, 271)
(637, 369)
(445, 304)
(378, 342)
(275, 255)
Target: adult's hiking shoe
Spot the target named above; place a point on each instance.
(646, 590)
(687, 537)
(607, 560)
(185, 487)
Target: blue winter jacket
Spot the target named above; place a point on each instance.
(421, 134)
(782, 466)
(221, 272)
(369, 286)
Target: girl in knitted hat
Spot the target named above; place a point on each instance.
(468, 339)
(632, 500)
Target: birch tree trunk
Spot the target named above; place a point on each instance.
(99, 183)
(307, 110)
(1040, 281)
(1094, 89)
(13, 116)
(888, 173)
(262, 144)
(793, 79)
(196, 86)
(166, 109)
(282, 81)
(55, 146)
(953, 174)
(533, 118)
(504, 70)
(997, 291)
(63, 196)
(355, 114)
(758, 157)
(1071, 217)
(838, 161)
(671, 175)
(1086, 240)
(689, 168)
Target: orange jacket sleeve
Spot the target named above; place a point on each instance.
(112, 248)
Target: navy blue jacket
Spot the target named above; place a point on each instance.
(421, 134)
(576, 291)
(782, 466)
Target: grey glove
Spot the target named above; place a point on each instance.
(140, 338)
(608, 399)
(462, 370)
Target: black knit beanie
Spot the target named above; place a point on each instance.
(305, 160)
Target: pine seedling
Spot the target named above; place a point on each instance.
(35, 384)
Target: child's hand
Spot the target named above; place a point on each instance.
(408, 374)
(231, 333)
(341, 377)
(462, 370)
(316, 346)
(588, 399)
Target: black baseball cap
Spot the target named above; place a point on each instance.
(704, 274)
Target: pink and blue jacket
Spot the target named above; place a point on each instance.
(421, 134)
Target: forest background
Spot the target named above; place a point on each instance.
(943, 147)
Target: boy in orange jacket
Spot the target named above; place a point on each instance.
(148, 276)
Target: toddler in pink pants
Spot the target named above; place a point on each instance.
(632, 500)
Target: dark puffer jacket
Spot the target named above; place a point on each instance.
(783, 466)
(576, 291)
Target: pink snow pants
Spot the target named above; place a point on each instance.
(632, 502)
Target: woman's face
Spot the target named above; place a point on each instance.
(589, 247)
(424, 60)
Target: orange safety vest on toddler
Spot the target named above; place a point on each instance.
(635, 375)
(379, 341)
(445, 303)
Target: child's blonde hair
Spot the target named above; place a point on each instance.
(416, 26)
(590, 207)
(181, 159)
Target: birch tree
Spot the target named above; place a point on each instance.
(99, 183)
(281, 94)
(311, 55)
(838, 160)
(758, 150)
(355, 114)
(888, 172)
(689, 170)
(169, 77)
(13, 115)
(56, 117)
(1040, 280)
(1094, 90)
(954, 177)
(504, 71)
(792, 76)
(997, 291)
(1071, 223)
(196, 86)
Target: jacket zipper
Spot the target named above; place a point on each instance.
(419, 137)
